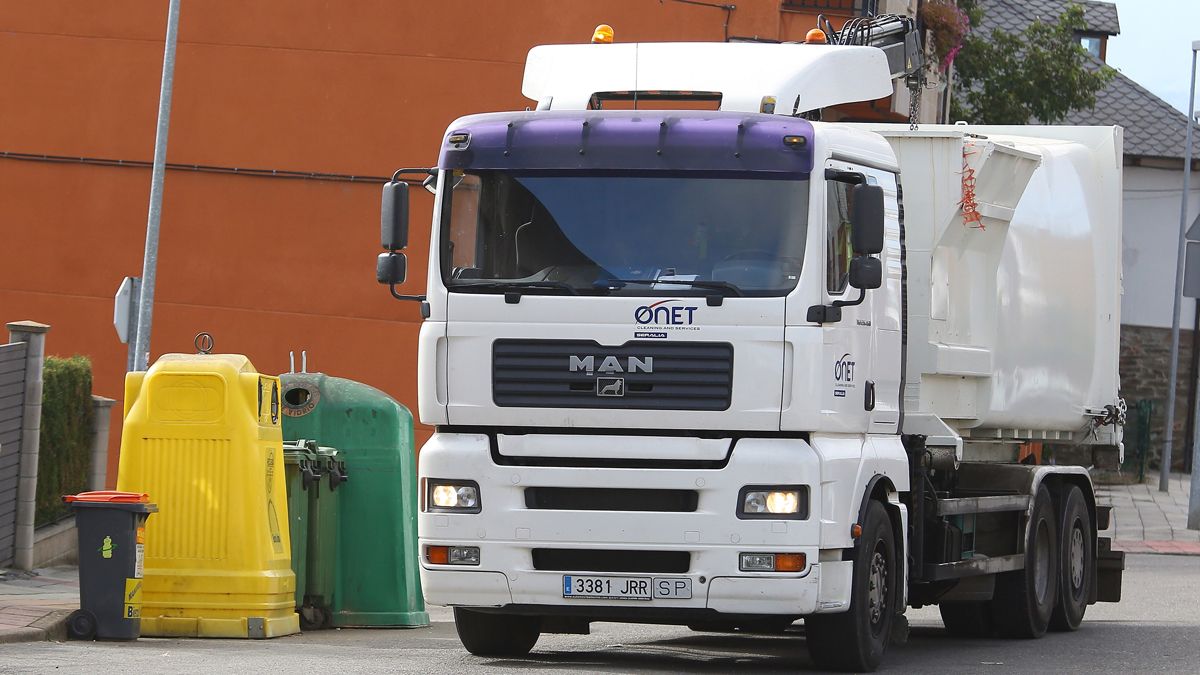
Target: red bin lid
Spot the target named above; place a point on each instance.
(109, 496)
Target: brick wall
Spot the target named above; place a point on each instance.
(1145, 365)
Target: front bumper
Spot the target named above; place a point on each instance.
(507, 532)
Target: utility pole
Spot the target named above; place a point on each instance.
(1164, 476)
(141, 358)
(1193, 521)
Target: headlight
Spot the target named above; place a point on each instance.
(453, 496)
(773, 501)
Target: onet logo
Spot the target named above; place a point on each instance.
(843, 370)
(660, 314)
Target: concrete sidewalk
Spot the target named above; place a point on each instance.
(35, 605)
(1148, 521)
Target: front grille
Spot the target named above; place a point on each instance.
(610, 499)
(636, 375)
(593, 560)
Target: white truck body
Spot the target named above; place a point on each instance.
(983, 335)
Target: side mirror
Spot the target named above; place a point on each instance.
(393, 216)
(866, 272)
(430, 182)
(866, 220)
(391, 268)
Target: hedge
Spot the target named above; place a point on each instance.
(65, 450)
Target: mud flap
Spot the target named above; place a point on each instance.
(1109, 566)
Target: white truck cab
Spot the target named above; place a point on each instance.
(734, 368)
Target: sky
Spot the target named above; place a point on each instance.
(1154, 47)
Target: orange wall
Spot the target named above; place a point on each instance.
(265, 265)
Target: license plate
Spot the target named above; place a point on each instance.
(626, 588)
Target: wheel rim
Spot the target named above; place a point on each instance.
(1077, 557)
(82, 625)
(1041, 567)
(877, 589)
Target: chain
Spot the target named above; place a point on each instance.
(915, 89)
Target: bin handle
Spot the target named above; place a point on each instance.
(117, 496)
(307, 475)
(337, 474)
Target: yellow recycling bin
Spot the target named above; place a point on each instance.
(202, 435)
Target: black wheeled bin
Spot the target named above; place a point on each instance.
(112, 538)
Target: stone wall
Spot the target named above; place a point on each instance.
(1145, 365)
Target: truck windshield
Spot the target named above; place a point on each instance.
(576, 233)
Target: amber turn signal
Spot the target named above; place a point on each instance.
(438, 555)
(789, 562)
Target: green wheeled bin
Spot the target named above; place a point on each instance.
(324, 537)
(376, 575)
(301, 474)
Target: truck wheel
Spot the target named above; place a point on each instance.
(967, 619)
(485, 634)
(856, 640)
(1076, 562)
(1025, 598)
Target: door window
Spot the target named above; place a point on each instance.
(838, 249)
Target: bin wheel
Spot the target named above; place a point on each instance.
(81, 625)
(314, 618)
(487, 634)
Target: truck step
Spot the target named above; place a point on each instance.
(974, 566)
(961, 505)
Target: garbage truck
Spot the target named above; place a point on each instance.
(694, 356)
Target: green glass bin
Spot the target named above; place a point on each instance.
(376, 574)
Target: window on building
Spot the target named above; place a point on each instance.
(1092, 44)
(834, 7)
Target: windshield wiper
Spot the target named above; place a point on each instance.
(724, 287)
(513, 289)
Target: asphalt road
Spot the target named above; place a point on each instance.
(1154, 629)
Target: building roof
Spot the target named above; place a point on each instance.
(1153, 128)
(1014, 15)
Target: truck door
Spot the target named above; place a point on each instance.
(861, 352)
(886, 321)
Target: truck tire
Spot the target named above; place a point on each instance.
(1076, 561)
(486, 634)
(967, 619)
(1025, 598)
(856, 640)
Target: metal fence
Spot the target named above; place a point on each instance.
(1137, 438)
(12, 406)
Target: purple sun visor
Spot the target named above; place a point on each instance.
(630, 141)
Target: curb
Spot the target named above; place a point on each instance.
(1157, 547)
(52, 627)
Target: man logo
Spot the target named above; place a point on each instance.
(610, 386)
(610, 365)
